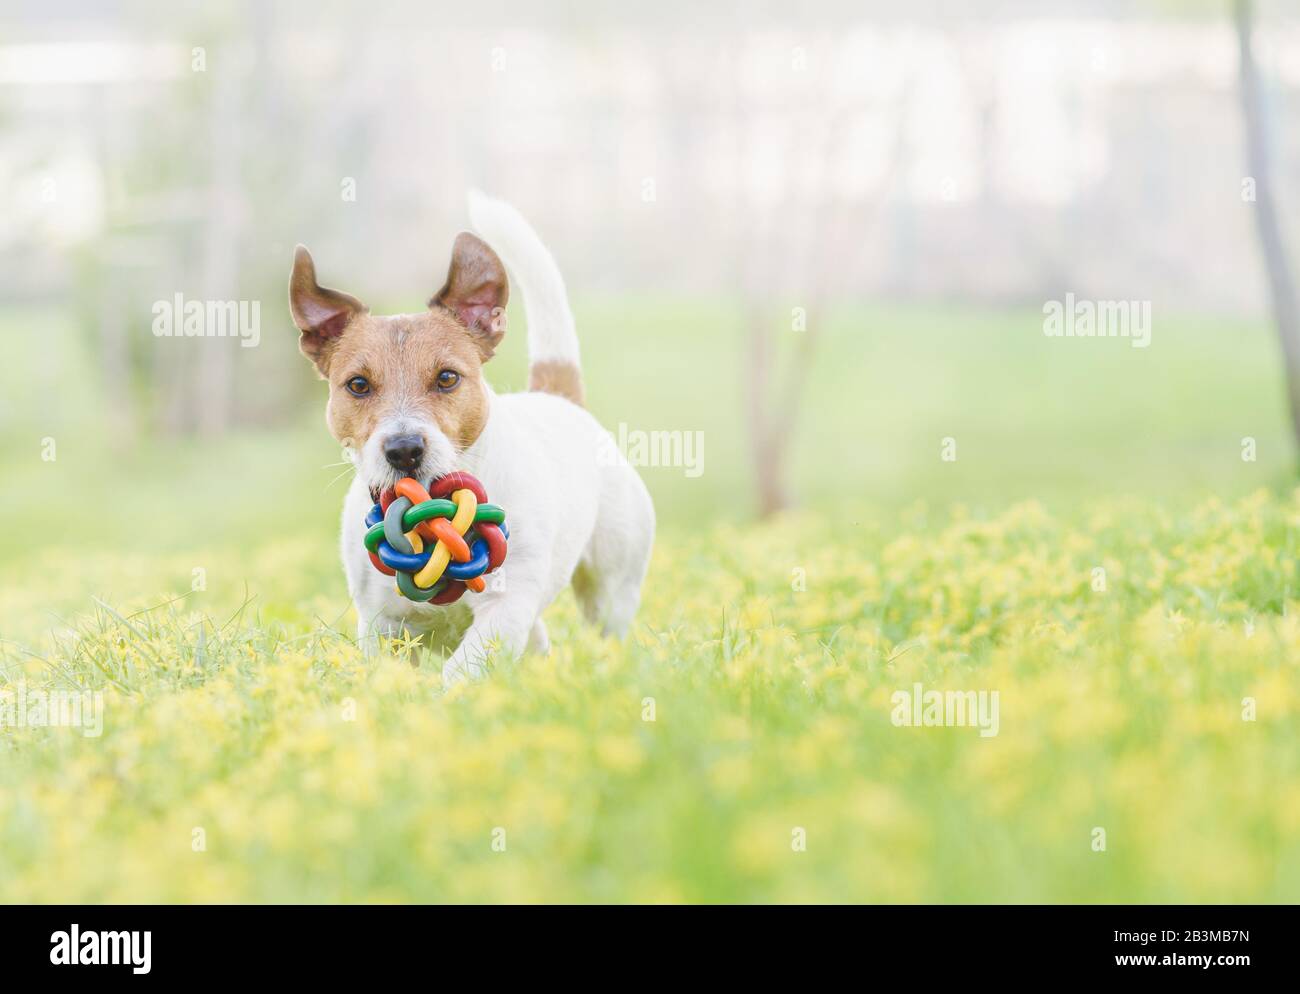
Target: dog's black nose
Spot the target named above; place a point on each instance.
(404, 452)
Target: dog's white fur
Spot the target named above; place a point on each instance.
(573, 516)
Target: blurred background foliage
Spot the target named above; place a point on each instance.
(824, 240)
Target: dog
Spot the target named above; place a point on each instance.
(407, 397)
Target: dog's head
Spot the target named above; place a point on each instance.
(407, 394)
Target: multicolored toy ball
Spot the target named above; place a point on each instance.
(468, 535)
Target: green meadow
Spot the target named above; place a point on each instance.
(1099, 553)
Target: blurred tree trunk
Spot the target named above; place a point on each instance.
(769, 426)
(1285, 311)
(115, 364)
(109, 313)
(213, 395)
(813, 246)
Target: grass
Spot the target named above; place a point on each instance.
(249, 753)
(313, 775)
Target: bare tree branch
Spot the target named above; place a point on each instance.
(1285, 312)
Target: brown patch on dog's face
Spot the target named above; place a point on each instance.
(407, 368)
(408, 375)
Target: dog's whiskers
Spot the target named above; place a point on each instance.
(342, 475)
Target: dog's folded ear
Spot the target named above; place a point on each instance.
(321, 314)
(476, 291)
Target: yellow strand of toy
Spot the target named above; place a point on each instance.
(466, 506)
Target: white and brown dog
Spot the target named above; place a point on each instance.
(407, 397)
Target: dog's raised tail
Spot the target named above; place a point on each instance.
(553, 362)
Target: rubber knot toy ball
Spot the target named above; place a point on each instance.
(437, 542)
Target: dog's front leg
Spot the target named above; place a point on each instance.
(371, 628)
(502, 623)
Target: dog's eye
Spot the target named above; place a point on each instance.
(448, 379)
(358, 386)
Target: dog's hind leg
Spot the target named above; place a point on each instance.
(607, 585)
(608, 602)
(538, 639)
(607, 582)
